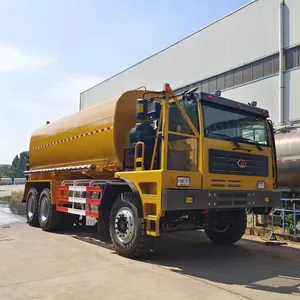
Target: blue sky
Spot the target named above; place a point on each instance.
(52, 50)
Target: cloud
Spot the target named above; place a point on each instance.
(65, 92)
(28, 111)
(31, 94)
(14, 59)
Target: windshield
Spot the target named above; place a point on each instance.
(220, 122)
(177, 122)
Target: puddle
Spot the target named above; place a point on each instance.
(11, 212)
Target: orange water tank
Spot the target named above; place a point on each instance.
(96, 135)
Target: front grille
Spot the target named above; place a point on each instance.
(225, 183)
(225, 162)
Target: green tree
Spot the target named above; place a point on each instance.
(15, 166)
(23, 163)
(5, 170)
(16, 169)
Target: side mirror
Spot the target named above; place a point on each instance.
(218, 93)
(252, 103)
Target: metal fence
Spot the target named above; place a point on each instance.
(283, 221)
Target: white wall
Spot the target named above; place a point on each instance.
(292, 24)
(265, 92)
(244, 36)
(292, 93)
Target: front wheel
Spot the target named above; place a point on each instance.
(127, 229)
(226, 228)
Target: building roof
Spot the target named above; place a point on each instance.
(187, 37)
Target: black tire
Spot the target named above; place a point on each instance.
(32, 206)
(139, 243)
(49, 218)
(227, 232)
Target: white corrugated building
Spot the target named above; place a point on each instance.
(250, 54)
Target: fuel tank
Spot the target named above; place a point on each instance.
(288, 160)
(96, 135)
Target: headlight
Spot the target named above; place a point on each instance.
(260, 184)
(183, 181)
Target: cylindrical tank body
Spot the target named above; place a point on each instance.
(96, 135)
(6, 181)
(288, 160)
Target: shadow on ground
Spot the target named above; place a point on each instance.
(247, 263)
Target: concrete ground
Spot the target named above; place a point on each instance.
(77, 265)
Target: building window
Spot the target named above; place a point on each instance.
(247, 73)
(205, 86)
(212, 84)
(238, 76)
(229, 79)
(221, 82)
(267, 66)
(292, 58)
(256, 70)
(198, 85)
(276, 63)
(253, 71)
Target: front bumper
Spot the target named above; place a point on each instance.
(202, 199)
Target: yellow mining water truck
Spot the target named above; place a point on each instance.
(148, 162)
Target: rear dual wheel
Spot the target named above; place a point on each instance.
(32, 206)
(49, 218)
(41, 213)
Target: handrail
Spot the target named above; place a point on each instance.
(139, 159)
(142, 86)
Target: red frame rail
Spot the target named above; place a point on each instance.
(63, 199)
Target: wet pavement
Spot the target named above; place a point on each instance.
(11, 211)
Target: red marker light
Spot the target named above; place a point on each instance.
(265, 112)
(210, 97)
(239, 105)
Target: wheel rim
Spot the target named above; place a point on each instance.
(44, 209)
(221, 227)
(124, 225)
(30, 207)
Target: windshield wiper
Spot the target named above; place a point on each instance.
(228, 138)
(250, 141)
